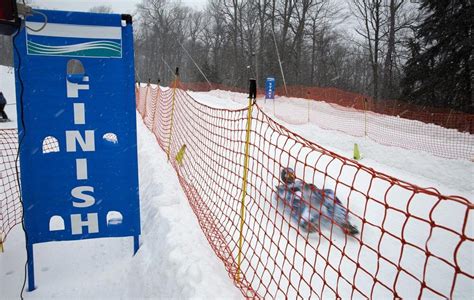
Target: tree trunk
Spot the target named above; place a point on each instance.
(313, 50)
(375, 63)
(388, 64)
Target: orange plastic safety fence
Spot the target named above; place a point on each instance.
(11, 210)
(388, 121)
(10, 206)
(413, 242)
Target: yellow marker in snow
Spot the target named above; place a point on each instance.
(356, 152)
(179, 157)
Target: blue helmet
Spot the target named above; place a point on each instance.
(288, 175)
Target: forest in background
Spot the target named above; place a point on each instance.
(313, 39)
(419, 51)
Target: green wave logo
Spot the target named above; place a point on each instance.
(89, 49)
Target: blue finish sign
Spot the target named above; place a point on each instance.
(78, 153)
(270, 88)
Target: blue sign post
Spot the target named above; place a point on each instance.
(78, 151)
(270, 88)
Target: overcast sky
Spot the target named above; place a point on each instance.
(128, 7)
(118, 6)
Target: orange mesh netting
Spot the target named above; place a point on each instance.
(413, 242)
(10, 206)
(11, 211)
(388, 122)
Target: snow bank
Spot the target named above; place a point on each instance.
(174, 260)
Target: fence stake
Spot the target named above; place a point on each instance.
(274, 112)
(309, 108)
(449, 117)
(175, 86)
(252, 97)
(156, 106)
(146, 96)
(365, 116)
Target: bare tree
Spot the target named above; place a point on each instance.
(102, 9)
(232, 40)
(371, 19)
(6, 49)
(401, 16)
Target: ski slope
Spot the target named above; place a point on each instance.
(175, 260)
(298, 248)
(275, 250)
(449, 176)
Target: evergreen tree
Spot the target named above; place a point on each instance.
(440, 71)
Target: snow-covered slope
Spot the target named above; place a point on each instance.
(449, 176)
(174, 260)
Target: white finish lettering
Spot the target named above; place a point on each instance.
(73, 88)
(84, 140)
(92, 223)
(81, 169)
(79, 193)
(79, 114)
(74, 135)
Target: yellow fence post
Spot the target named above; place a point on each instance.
(252, 97)
(175, 86)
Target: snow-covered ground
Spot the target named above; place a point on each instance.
(175, 260)
(7, 86)
(449, 176)
(425, 173)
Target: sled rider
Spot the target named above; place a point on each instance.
(308, 203)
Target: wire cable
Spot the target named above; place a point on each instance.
(167, 65)
(26, 10)
(21, 138)
(197, 66)
(279, 62)
(42, 26)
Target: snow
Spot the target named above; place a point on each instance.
(7, 86)
(449, 176)
(175, 260)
